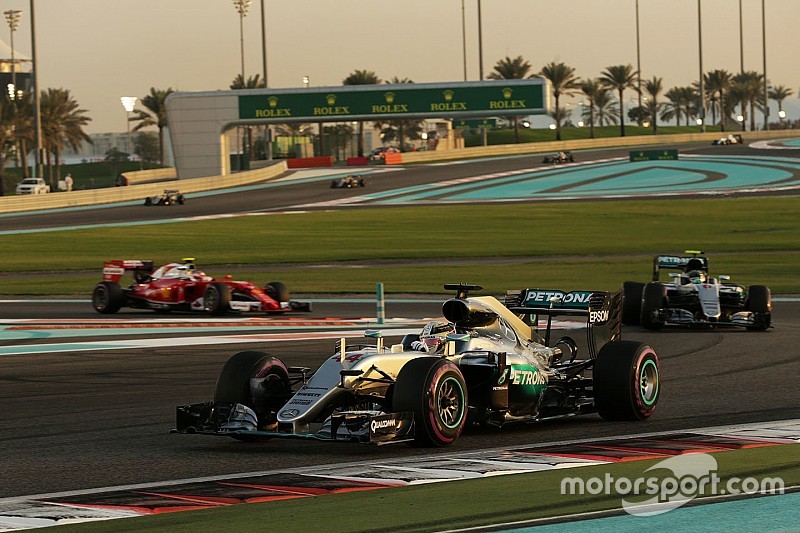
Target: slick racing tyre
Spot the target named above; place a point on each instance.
(258, 380)
(148, 201)
(653, 299)
(277, 291)
(217, 299)
(632, 302)
(434, 390)
(626, 381)
(107, 297)
(759, 301)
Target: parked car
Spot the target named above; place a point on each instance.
(485, 364)
(693, 298)
(379, 154)
(33, 186)
(181, 287)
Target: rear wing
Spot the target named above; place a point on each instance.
(601, 309)
(114, 270)
(675, 262)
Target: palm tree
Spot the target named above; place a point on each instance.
(607, 112)
(653, 88)
(252, 82)
(717, 83)
(62, 124)
(619, 78)
(748, 89)
(563, 81)
(675, 107)
(779, 93)
(361, 77)
(155, 116)
(511, 69)
(591, 88)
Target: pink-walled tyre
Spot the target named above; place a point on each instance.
(626, 381)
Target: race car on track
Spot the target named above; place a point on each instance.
(486, 364)
(181, 287)
(728, 139)
(693, 298)
(168, 197)
(559, 158)
(348, 182)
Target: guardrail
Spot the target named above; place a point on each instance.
(138, 177)
(578, 144)
(11, 204)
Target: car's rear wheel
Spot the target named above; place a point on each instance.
(759, 301)
(653, 299)
(107, 297)
(632, 302)
(435, 391)
(277, 291)
(148, 201)
(626, 381)
(217, 299)
(255, 379)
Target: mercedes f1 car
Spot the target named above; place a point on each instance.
(728, 139)
(559, 158)
(493, 366)
(348, 182)
(693, 298)
(168, 197)
(181, 287)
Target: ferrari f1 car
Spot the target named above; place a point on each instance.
(693, 298)
(181, 287)
(168, 197)
(487, 364)
(348, 182)
(559, 158)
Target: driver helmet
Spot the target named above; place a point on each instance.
(696, 276)
(434, 335)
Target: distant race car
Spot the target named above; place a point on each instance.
(729, 139)
(168, 197)
(348, 182)
(181, 287)
(693, 298)
(487, 364)
(559, 158)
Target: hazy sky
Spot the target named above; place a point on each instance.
(103, 49)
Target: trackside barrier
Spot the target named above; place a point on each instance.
(556, 146)
(397, 159)
(357, 161)
(150, 176)
(10, 204)
(305, 162)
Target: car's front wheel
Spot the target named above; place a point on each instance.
(626, 381)
(759, 301)
(217, 298)
(434, 390)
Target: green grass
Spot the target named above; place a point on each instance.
(451, 505)
(756, 240)
(506, 136)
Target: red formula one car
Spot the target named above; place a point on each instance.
(181, 287)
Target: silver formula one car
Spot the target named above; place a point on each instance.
(693, 298)
(486, 364)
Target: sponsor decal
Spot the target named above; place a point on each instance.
(568, 299)
(527, 377)
(598, 316)
(114, 271)
(301, 401)
(289, 413)
(503, 376)
(389, 423)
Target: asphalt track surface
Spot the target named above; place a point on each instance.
(84, 420)
(81, 420)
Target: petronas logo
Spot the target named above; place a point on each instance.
(507, 92)
(330, 98)
(273, 101)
